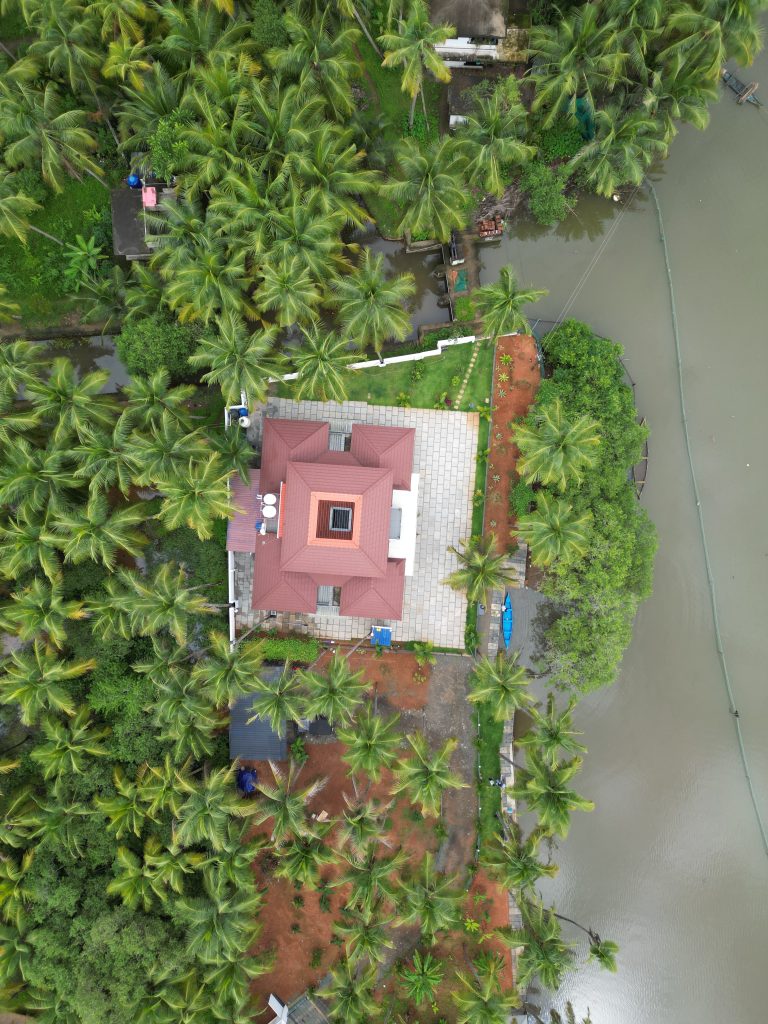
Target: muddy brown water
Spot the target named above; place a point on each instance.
(671, 864)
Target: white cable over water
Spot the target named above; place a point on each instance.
(700, 515)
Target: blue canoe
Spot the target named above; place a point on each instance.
(507, 621)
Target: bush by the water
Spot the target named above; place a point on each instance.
(158, 340)
(598, 595)
(560, 142)
(545, 185)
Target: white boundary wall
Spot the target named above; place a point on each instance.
(411, 357)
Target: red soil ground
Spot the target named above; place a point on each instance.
(511, 400)
(392, 679)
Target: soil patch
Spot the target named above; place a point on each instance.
(517, 379)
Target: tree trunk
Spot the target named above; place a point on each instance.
(413, 108)
(424, 105)
(366, 33)
(587, 931)
(39, 231)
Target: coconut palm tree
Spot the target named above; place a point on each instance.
(373, 742)
(94, 534)
(20, 363)
(226, 672)
(350, 993)
(285, 120)
(165, 450)
(546, 791)
(105, 458)
(166, 867)
(555, 450)
(185, 716)
(582, 56)
(370, 877)
(15, 210)
(481, 571)
(221, 923)
(335, 693)
(288, 291)
(211, 803)
(131, 882)
(553, 732)
(422, 980)
(57, 826)
(365, 935)
(502, 684)
(26, 545)
(165, 788)
(543, 952)
(230, 980)
(624, 147)
(285, 804)
(196, 496)
(299, 231)
(429, 188)
(74, 406)
(412, 48)
(68, 746)
(425, 776)
(514, 860)
(676, 91)
(41, 132)
(371, 307)
(234, 449)
(127, 62)
(16, 954)
(40, 611)
(302, 857)
(126, 811)
(210, 282)
(553, 531)
(500, 305)
(152, 604)
(431, 900)
(34, 679)
(239, 360)
(321, 366)
(332, 166)
(279, 701)
(37, 479)
(363, 824)
(602, 951)
(321, 60)
(16, 889)
(150, 399)
(480, 999)
(494, 137)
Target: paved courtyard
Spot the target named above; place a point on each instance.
(445, 454)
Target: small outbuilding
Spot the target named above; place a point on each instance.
(257, 740)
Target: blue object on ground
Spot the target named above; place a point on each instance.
(507, 620)
(134, 181)
(246, 781)
(381, 636)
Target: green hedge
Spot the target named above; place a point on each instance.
(289, 648)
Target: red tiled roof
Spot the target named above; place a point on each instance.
(276, 590)
(241, 529)
(386, 447)
(376, 598)
(289, 440)
(371, 492)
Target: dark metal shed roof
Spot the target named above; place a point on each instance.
(128, 224)
(257, 741)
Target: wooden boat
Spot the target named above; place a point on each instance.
(507, 620)
(745, 93)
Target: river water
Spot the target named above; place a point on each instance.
(670, 864)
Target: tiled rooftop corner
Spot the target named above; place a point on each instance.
(445, 454)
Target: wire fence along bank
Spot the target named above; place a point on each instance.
(732, 707)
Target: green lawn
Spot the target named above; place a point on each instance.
(388, 97)
(440, 375)
(489, 736)
(34, 274)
